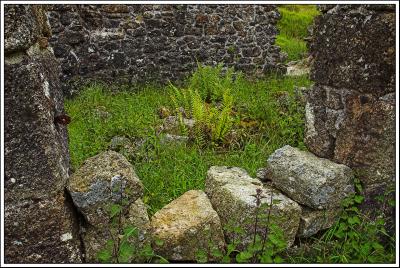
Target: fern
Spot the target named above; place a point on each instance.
(206, 86)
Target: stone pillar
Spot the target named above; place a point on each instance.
(350, 112)
(40, 224)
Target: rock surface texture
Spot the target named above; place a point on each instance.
(185, 226)
(39, 221)
(350, 111)
(103, 181)
(138, 43)
(309, 180)
(232, 193)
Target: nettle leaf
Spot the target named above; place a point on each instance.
(278, 259)
(354, 220)
(266, 258)
(147, 251)
(104, 256)
(201, 256)
(125, 252)
(358, 199)
(244, 256)
(230, 248)
(114, 210)
(130, 231)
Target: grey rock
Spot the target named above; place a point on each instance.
(312, 181)
(168, 138)
(95, 238)
(218, 176)
(172, 122)
(187, 225)
(312, 221)
(232, 193)
(102, 180)
(262, 174)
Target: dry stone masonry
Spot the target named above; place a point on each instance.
(139, 43)
(350, 111)
(39, 221)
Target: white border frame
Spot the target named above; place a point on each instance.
(2, 264)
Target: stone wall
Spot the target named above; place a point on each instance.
(350, 112)
(155, 43)
(40, 224)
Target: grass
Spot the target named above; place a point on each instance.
(268, 114)
(293, 28)
(268, 110)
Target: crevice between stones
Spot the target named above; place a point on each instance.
(78, 223)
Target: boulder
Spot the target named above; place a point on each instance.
(185, 226)
(102, 180)
(218, 176)
(311, 181)
(233, 193)
(312, 221)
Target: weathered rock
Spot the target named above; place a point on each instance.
(315, 182)
(218, 176)
(172, 122)
(313, 221)
(23, 26)
(186, 226)
(117, 143)
(102, 180)
(232, 193)
(168, 138)
(263, 175)
(356, 60)
(39, 222)
(350, 115)
(297, 68)
(137, 43)
(95, 238)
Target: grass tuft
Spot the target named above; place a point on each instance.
(293, 28)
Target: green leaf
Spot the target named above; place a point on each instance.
(354, 220)
(358, 199)
(159, 242)
(125, 252)
(266, 258)
(216, 252)
(230, 248)
(278, 259)
(130, 231)
(201, 256)
(114, 210)
(243, 256)
(162, 260)
(104, 256)
(377, 246)
(276, 201)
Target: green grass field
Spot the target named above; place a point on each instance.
(293, 28)
(265, 115)
(169, 170)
